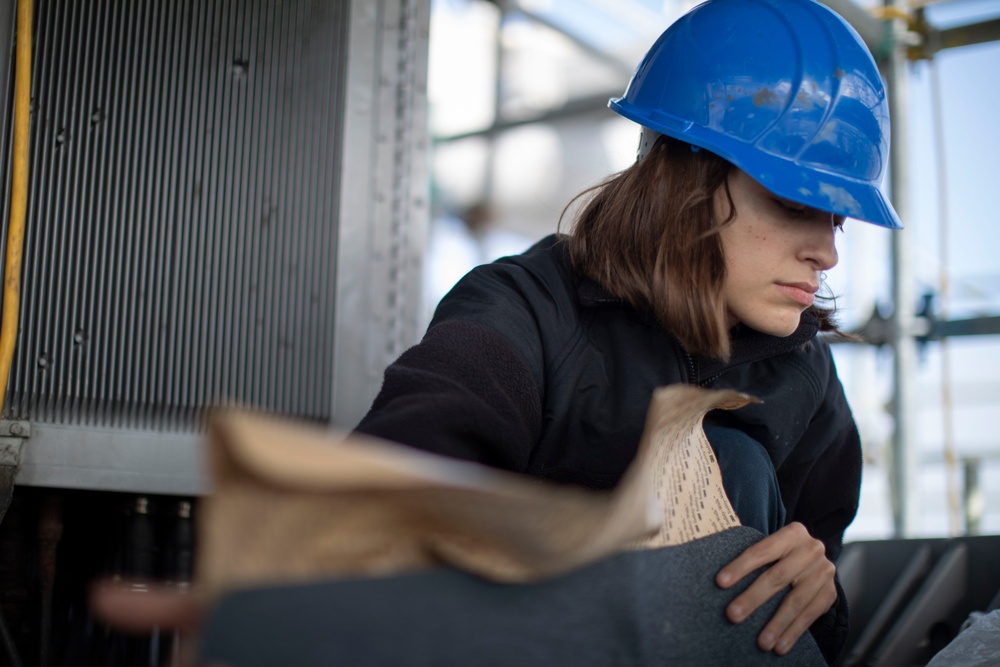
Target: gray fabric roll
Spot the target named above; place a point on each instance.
(656, 607)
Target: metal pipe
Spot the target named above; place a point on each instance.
(623, 67)
(596, 105)
(904, 452)
(973, 499)
(944, 294)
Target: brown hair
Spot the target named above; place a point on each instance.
(649, 236)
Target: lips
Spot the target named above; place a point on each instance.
(801, 293)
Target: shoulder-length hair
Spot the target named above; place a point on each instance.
(649, 236)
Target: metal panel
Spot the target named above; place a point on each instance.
(187, 244)
(182, 212)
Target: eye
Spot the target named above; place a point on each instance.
(791, 209)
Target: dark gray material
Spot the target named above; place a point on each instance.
(182, 215)
(909, 598)
(889, 602)
(939, 594)
(657, 607)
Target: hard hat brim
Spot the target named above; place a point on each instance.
(802, 183)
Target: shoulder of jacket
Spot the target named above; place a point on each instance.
(538, 283)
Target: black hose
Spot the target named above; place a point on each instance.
(8, 642)
(7, 474)
(50, 530)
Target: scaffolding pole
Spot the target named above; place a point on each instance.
(905, 457)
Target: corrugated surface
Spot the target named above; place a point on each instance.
(182, 215)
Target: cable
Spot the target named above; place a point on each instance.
(19, 196)
(15, 235)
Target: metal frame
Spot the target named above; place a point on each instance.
(382, 223)
(113, 460)
(385, 193)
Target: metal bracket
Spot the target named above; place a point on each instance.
(12, 435)
(927, 326)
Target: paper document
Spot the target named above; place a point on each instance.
(683, 471)
(292, 502)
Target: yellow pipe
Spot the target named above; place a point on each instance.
(19, 196)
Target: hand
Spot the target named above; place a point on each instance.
(796, 559)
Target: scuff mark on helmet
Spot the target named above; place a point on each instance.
(764, 96)
(829, 131)
(841, 200)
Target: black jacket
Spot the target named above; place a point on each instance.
(530, 368)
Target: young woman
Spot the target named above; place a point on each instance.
(765, 125)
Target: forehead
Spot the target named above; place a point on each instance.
(749, 186)
(743, 181)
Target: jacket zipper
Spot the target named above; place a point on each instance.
(693, 373)
(705, 382)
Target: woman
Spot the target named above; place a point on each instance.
(765, 124)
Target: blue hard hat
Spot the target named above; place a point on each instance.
(783, 89)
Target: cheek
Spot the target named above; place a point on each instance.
(739, 278)
(744, 258)
(754, 242)
(754, 234)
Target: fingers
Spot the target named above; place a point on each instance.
(813, 593)
(138, 606)
(800, 608)
(798, 560)
(769, 550)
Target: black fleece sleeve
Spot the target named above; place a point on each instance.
(463, 391)
(833, 480)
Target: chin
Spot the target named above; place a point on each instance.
(774, 320)
(783, 333)
(777, 326)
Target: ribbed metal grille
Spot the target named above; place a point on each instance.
(182, 215)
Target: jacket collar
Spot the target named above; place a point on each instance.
(750, 345)
(590, 293)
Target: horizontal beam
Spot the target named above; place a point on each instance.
(878, 329)
(974, 326)
(935, 40)
(72, 457)
(578, 107)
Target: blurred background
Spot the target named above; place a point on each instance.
(258, 203)
(517, 95)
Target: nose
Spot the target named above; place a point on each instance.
(820, 245)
